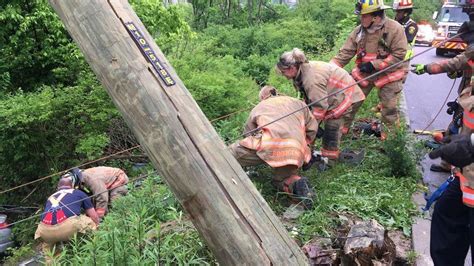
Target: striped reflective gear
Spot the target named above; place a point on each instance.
(284, 142)
(288, 182)
(468, 119)
(467, 192)
(333, 155)
(450, 45)
(382, 64)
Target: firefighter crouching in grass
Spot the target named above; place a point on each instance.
(62, 218)
(316, 80)
(105, 183)
(283, 145)
(377, 43)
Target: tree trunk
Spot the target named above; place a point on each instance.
(224, 206)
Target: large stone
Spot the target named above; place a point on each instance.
(367, 244)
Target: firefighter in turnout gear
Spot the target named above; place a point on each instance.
(459, 66)
(283, 145)
(377, 43)
(316, 80)
(62, 218)
(403, 9)
(452, 224)
(106, 183)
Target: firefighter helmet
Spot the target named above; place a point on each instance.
(402, 4)
(369, 6)
(75, 175)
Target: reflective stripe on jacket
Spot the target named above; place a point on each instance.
(99, 180)
(461, 62)
(318, 80)
(284, 142)
(383, 48)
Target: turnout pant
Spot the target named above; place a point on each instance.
(452, 228)
(248, 157)
(332, 138)
(52, 234)
(388, 95)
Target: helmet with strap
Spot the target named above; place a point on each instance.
(75, 175)
(369, 6)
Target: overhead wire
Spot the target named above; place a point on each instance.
(106, 157)
(245, 134)
(77, 201)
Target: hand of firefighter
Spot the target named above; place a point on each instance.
(366, 67)
(457, 151)
(418, 69)
(454, 75)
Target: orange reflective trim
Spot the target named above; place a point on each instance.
(467, 192)
(391, 77)
(318, 113)
(100, 211)
(369, 57)
(357, 75)
(119, 181)
(386, 62)
(289, 181)
(468, 119)
(342, 107)
(337, 83)
(330, 154)
(334, 62)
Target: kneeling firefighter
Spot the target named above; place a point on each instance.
(283, 145)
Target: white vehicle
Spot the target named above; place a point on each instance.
(425, 34)
(448, 21)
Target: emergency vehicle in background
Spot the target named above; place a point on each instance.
(448, 21)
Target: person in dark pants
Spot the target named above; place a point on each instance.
(450, 234)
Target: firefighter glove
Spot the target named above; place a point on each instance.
(457, 151)
(366, 67)
(454, 74)
(418, 69)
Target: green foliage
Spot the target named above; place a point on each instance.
(49, 130)
(34, 46)
(136, 233)
(166, 25)
(401, 159)
(15, 256)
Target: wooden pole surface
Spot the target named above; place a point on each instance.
(225, 207)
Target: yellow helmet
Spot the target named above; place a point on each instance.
(369, 6)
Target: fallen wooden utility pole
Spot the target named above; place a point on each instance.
(224, 206)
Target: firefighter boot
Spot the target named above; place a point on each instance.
(299, 190)
(303, 192)
(440, 168)
(352, 157)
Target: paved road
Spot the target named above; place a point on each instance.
(426, 93)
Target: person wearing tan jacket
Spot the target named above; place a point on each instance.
(452, 224)
(106, 183)
(455, 67)
(377, 43)
(283, 145)
(317, 80)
